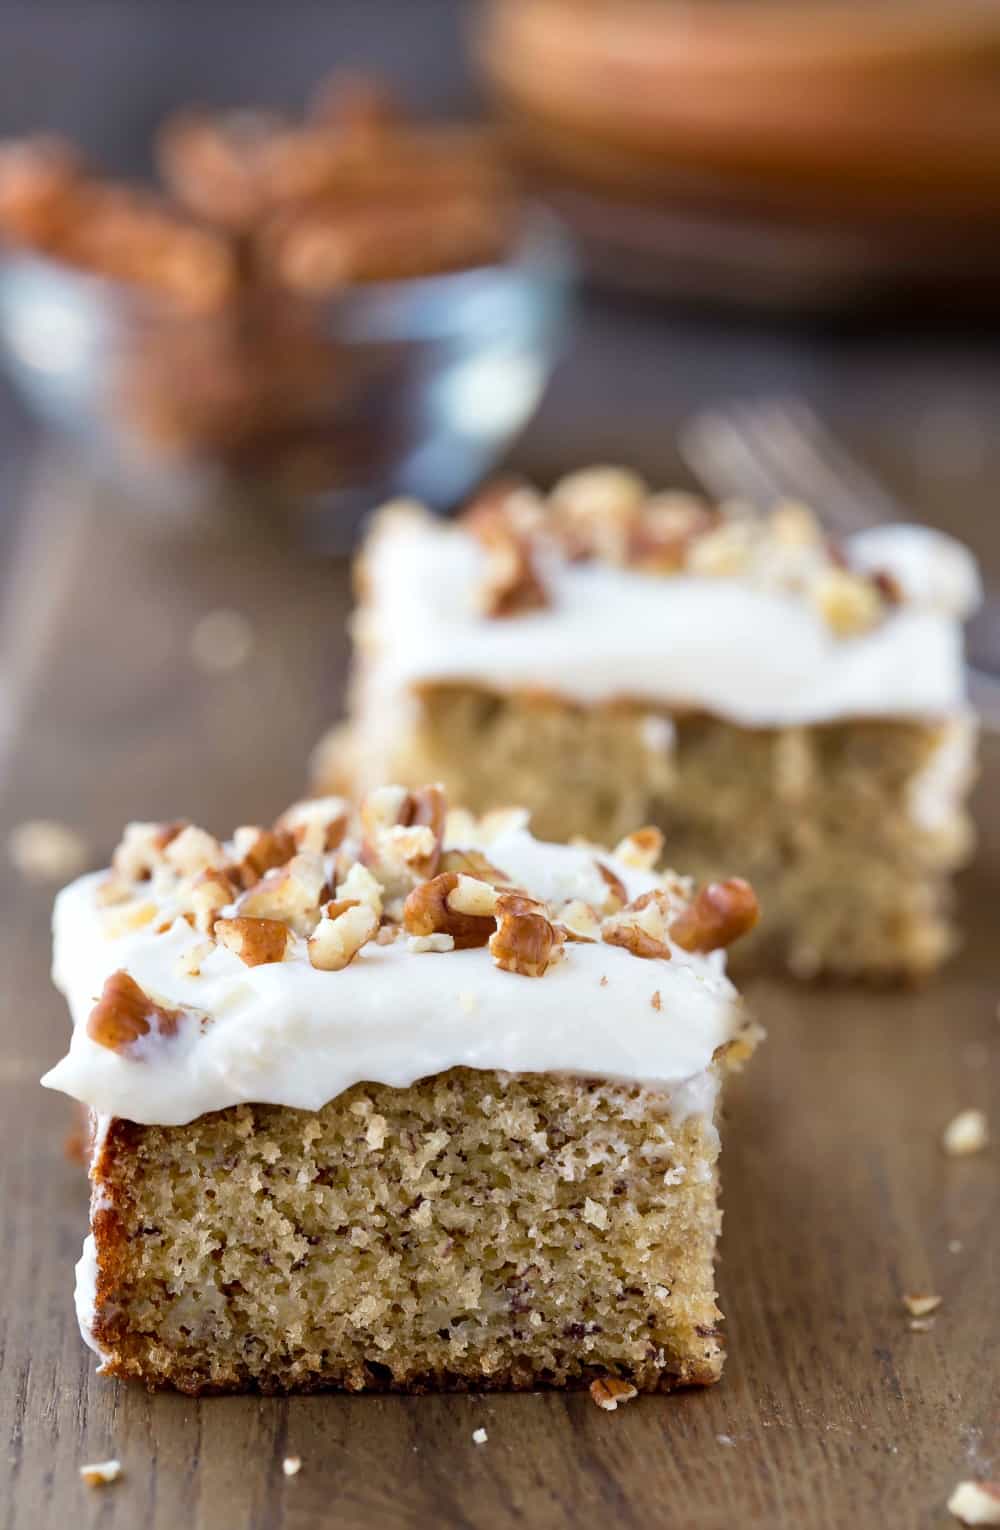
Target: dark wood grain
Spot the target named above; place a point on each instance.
(838, 1197)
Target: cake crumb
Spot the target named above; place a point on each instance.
(100, 1473)
(724, 1439)
(919, 1306)
(976, 1503)
(967, 1133)
(291, 1466)
(603, 982)
(921, 1325)
(608, 1392)
(43, 850)
(955, 1245)
(656, 1000)
(221, 641)
(479, 1436)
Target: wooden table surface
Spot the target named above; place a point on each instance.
(832, 1413)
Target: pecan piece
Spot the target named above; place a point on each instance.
(635, 939)
(255, 941)
(344, 928)
(261, 851)
(428, 911)
(616, 896)
(642, 849)
(526, 941)
(720, 914)
(473, 863)
(125, 1012)
(318, 824)
(511, 582)
(609, 1391)
(291, 893)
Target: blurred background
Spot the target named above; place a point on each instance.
(653, 210)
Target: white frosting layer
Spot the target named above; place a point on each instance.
(287, 1034)
(756, 656)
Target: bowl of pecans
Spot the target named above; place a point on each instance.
(322, 312)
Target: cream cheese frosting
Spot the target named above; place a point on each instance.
(286, 1033)
(758, 656)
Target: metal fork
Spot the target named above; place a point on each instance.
(770, 450)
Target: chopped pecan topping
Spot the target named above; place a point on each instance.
(720, 914)
(511, 583)
(402, 833)
(141, 849)
(211, 893)
(193, 850)
(526, 941)
(642, 849)
(609, 1391)
(359, 886)
(579, 921)
(318, 824)
(617, 893)
(428, 911)
(470, 896)
(634, 938)
(473, 863)
(261, 851)
(344, 928)
(125, 1012)
(291, 893)
(255, 941)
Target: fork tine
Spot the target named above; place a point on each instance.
(718, 454)
(817, 468)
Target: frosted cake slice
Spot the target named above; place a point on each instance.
(779, 706)
(399, 1102)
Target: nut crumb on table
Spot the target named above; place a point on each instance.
(291, 1466)
(966, 1133)
(100, 1473)
(976, 1503)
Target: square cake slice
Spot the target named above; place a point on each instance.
(779, 706)
(399, 1101)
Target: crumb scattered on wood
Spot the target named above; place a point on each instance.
(976, 1503)
(480, 1436)
(46, 851)
(100, 1473)
(919, 1304)
(291, 1466)
(967, 1133)
(921, 1325)
(221, 641)
(608, 1392)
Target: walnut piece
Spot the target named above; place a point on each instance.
(525, 941)
(340, 935)
(125, 1012)
(720, 914)
(255, 941)
(609, 1391)
(428, 911)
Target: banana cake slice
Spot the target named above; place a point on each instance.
(780, 706)
(399, 1100)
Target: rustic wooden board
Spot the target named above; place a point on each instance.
(838, 1197)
